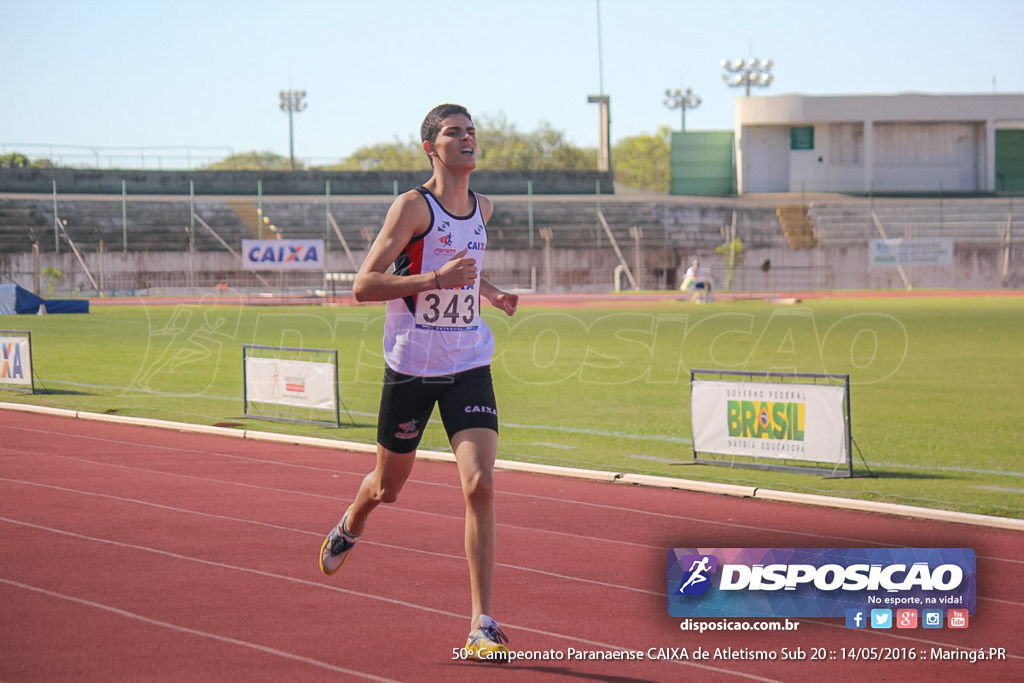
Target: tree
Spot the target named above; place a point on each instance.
(14, 160)
(54, 276)
(252, 161)
(732, 253)
(643, 161)
(504, 148)
(386, 156)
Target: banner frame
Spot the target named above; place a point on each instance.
(281, 418)
(752, 375)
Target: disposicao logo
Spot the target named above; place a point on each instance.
(818, 582)
(696, 581)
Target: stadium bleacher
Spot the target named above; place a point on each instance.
(160, 224)
(668, 230)
(850, 223)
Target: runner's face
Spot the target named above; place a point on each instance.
(456, 142)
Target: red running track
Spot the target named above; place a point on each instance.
(139, 554)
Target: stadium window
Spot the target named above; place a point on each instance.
(801, 137)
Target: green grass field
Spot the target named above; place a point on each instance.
(937, 384)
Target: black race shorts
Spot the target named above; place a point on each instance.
(465, 400)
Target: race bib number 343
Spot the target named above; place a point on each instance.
(447, 309)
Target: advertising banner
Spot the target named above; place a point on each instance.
(869, 586)
(283, 254)
(910, 251)
(15, 360)
(299, 383)
(769, 420)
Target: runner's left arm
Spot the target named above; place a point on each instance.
(499, 298)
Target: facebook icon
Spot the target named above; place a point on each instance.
(856, 618)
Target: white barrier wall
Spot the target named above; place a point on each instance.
(973, 267)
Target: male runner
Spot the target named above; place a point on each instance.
(437, 350)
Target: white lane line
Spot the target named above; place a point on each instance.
(368, 596)
(195, 632)
(390, 546)
(239, 520)
(501, 493)
(602, 506)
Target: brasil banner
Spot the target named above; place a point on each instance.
(768, 420)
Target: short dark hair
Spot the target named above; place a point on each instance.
(432, 123)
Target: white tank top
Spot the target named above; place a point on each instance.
(439, 331)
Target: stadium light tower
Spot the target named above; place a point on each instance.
(679, 99)
(291, 101)
(747, 72)
(604, 152)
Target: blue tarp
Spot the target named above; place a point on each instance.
(16, 299)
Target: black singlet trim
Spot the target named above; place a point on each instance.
(423, 190)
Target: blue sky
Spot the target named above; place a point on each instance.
(149, 73)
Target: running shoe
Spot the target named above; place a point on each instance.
(486, 644)
(336, 547)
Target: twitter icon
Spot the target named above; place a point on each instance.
(881, 618)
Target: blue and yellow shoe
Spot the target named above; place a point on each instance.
(336, 546)
(487, 643)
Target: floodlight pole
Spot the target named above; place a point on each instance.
(604, 157)
(291, 101)
(748, 72)
(679, 99)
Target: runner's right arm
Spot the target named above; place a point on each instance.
(408, 217)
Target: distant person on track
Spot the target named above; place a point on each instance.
(696, 284)
(437, 350)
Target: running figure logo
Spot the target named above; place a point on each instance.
(408, 430)
(696, 581)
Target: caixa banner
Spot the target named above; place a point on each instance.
(283, 254)
(817, 582)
